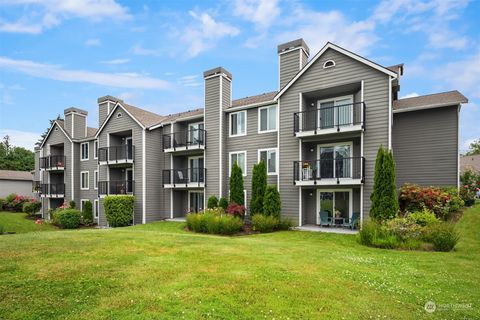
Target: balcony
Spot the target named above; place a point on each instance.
(115, 187)
(52, 190)
(53, 163)
(329, 172)
(329, 120)
(193, 139)
(36, 186)
(184, 178)
(124, 154)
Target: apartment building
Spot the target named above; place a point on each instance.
(318, 134)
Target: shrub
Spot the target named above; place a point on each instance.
(264, 224)
(214, 224)
(119, 210)
(67, 218)
(236, 185)
(422, 218)
(259, 185)
(87, 213)
(470, 181)
(442, 236)
(14, 202)
(212, 202)
(271, 202)
(236, 210)
(31, 207)
(2, 204)
(72, 204)
(374, 234)
(467, 195)
(223, 203)
(10, 198)
(284, 224)
(215, 211)
(384, 195)
(405, 229)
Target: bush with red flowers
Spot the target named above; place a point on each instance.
(470, 186)
(14, 202)
(236, 210)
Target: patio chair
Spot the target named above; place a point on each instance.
(181, 178)
(325, 220)
(353, 221)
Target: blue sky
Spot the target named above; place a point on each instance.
(56, 54)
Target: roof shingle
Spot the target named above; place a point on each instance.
(431, 100)
(15, 175)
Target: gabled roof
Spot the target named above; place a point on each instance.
(435, 100)
(350, 54)
(15, 175)
(260, 98)
(61, 124)
(470, 163)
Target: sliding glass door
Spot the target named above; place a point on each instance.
(336, 203)
(334, 161)
(335, 112)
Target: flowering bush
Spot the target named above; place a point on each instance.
(470, 182)
(31, 207)
(236, 210)
(415, 198)
(14, 202)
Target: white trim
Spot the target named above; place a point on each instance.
(88, 180)
(292, 49)
(278, 145)
(144, 178)
(95, 149)
(426, 107)
(266, 164)
(72, 163)
(244, 172)
(96, 211)
(195, 191)
(81, 151)
(341, 50)
(260, 131)
(81, 203)
(73, 124)
(230, 125)
(335, 114)
(218, 75)
(220, 140)
(95, 183)
(49, 131)
(361, 152)
(300, 146)
(458, 148)
(390, 115)
(350, 201)
(118, 104)
(361, 206)
(325, 64)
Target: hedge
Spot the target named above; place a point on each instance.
(119, 210)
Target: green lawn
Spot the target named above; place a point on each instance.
(159, 271)
(17, 222)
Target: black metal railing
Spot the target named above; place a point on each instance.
(52, 189)
(184, 176)
(52, 162)
(329, 118)
(187, 139)
(36, 186)
(116, 154)
(344, 168)
(116, 187)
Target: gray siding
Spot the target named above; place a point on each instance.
(21, 187)
(79, 126)
(89, 165)
(290, 63)
(347, 70)
(425, 146)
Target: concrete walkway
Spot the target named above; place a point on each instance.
(315, 228)
(179, 219)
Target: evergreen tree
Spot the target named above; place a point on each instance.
(236, 185)
(259, 185)
(212, 202)
(271, 202)
(391, 198)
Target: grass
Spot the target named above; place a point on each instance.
(18, 222)
(160, 271)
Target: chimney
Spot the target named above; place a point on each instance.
(293, 56)
(105, 105)
(218, 97)
(76, 122)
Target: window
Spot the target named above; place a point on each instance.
(82, 204)
(238, 123)
(119, 115)
(267, 119)
(95, 179)
(269, 156)
(241, 158)
(95, 149)
(84, 151)
(84, 176)
(96, 208)
(328, 64)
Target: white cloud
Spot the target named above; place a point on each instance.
(141, 51)
(317, 28)
(19, 138)
(190, 81)
(47, 71)
(93, 42)
(204, 32)
(410, 95)
(115, 61)
(262, 13)
(52, 12)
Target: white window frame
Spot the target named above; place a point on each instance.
(95, 149)
(336, 144)
(276, 159)
(88, 180)
(335, 99)
(81, 203)
(350, 201)
(95, 179)
(244, 172)
(96, 208)
(81, 151)
(196, 191)
(268, 114)
(230, 124)
(244, 197)
(325, 64)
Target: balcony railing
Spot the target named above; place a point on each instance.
(36, 186)
(335, 117)
(325, 170)
(188, 177)
(193, 138)
(116, 187)
(53, 162)
(52, 189)
(117, 154)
